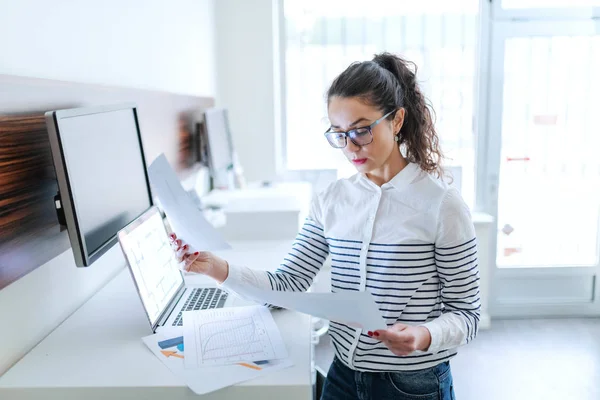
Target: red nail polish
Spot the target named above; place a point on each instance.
(370, 333)
(376, 333)
(172, 236)
(185, 247)
(196, 253)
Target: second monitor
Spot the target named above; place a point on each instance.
(222, 159)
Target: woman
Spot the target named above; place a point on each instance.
(394, 229)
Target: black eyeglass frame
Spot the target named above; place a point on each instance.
(354, 131)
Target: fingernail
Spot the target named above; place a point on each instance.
(376, 333)
(370, 333)
(172, 236)
(196, 253)
(185, 247)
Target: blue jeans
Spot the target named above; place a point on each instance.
(427, 384)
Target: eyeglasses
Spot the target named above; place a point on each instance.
(360, 136)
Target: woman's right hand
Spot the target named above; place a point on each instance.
(199, 262)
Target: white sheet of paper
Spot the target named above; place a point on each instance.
(231, 335)
(357, 309)
(184, 216)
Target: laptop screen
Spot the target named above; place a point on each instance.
(153, 264)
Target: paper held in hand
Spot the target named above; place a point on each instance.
(356, 309)
(184, 216)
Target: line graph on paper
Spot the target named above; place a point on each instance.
(231, 335)
(235, 340)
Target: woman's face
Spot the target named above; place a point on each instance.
(346, 113)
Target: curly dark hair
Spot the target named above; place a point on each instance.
(389, 83)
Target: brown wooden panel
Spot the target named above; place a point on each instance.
(27, 186)
(29, 232)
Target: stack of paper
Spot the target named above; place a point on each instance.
(221, 347)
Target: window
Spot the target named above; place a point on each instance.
(323, 37)
(548, 3)
(549, 153)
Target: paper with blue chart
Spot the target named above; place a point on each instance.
(168, 346)
(231, 335)
(184, 216)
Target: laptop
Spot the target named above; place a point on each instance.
(157, 277)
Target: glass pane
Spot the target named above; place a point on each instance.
(549, 194)
(324, 37)
(514, 4)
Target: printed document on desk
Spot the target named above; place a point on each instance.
(231, 335)
(204, 380)
(357, 309)
(185, 217)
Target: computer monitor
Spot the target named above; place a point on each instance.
(101, 171)
(220, 145)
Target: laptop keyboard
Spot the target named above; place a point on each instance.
(202, 299)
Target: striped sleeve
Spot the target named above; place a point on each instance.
(457, 267)
(298, 268)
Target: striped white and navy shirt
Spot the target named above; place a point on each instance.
(410, 242)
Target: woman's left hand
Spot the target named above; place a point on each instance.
(404, 339)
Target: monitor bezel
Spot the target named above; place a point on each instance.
(68, 202)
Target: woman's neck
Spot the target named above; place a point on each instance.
(394, 164)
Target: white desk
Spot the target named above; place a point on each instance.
(484, 223)
(97, 353)
(262, 213)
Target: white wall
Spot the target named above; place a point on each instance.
(152, 44)
(245, 81)
(33, 306)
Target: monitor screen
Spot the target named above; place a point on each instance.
(101, 172)
(152, 262)
(219, 138)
